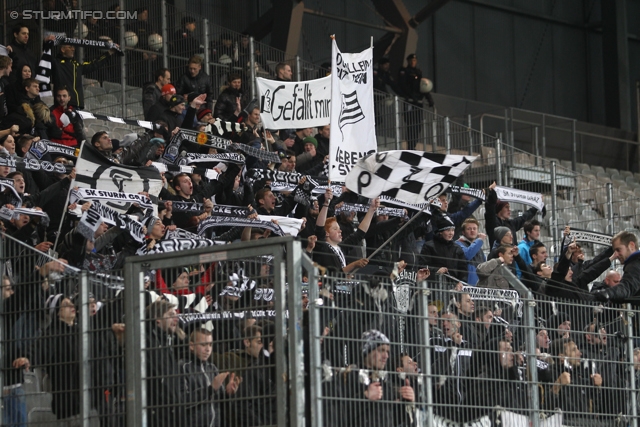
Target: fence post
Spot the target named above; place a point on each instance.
(205, 39)
(315, 359)
(447, 135)
(499, 159)
(123, 63)
(252, 66)
(554, 207)
(610, 207)
(630, 366)
(85, 345)
(134, 334)
(79, 32)
(537, 148)
(2, 322)
(574, 142)
(165, 35)
(279, 279)
(426, 354)
(298, 75)
(544, 139)
(470, 134)
(296, 350)
(532, 360)
(396, 109)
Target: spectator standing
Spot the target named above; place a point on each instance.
(153, 91)
(471, 243)
(20, 53)
(67, 71)
(409, 84)
(195, 81)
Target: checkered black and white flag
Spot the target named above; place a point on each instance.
(409, 176)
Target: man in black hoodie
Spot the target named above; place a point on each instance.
(228, 105)
(441, 254)
(625, 246)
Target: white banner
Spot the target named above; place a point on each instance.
(353, 133)
(507, 194)
(294, 105)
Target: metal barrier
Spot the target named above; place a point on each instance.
(411, 352)
(241, 307)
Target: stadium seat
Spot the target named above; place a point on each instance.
(108, 100)
(111, 87)
(86, 81)
(94, 91)
(589, 214)
(597, 169)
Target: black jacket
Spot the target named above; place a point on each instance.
(629, 286)
(69, 72)
(175, 120)
(226, 104)
(199, 395)
(199, 84)
(164, 400)
(61, 353)
(439, 252)
(150, 95)
(21, 56)
(156, 110)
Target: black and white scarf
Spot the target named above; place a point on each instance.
(171, 153)
(355, 207)
(111, 196)
(175, 245)
(473, 192)
(9, 214)
(222, 210)
(43, 147)
(288, 177)
(91, 219)
(7, 183)
(338, 252)
(35, 165)
(227, 221)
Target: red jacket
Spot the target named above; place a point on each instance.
(68, 134)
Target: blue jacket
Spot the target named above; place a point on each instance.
(473, 253)
(524, 247)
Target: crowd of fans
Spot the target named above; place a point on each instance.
(225, 375)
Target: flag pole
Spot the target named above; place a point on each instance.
(397, 232)
(66, 205)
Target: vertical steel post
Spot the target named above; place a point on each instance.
(544, 139)
(610, 208)
(574, 143)
(135, 357)
(447, 135)
(3, 261)
(41, 22)
(630, 367)
(281, 368)
(638, 121)
(425, 355)
(396, 108)
(85, 346)
(535, 140)
(298, 66)
(470, 132)
(315, 358)
(79, 31)
(554, 209)
(252, 66)
(499, 159)
(205, 39)
(530, 346)
(165, 35)
(123, 63)
(296, 350)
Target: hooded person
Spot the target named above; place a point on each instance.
(442, 254)
(374, 388)
(60, 356)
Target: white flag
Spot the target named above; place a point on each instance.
(410, 176)
(294, 105)
(353, 133)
